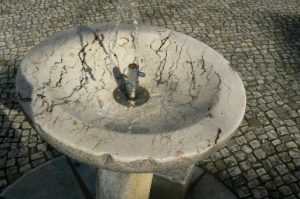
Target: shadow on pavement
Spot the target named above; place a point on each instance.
(287, 30)
(18, 141)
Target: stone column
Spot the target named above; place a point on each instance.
(116, 185)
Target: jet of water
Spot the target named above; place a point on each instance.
(122, 7)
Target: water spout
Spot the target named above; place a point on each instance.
(132, 82)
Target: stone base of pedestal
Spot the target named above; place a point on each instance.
(62, 178)
(174, 183)
(54, 179)
(116, 185)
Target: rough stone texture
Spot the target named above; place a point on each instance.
(176, 122)
(259, 38)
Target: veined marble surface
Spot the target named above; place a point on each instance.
(65, 86)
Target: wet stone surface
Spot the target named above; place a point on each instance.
(259, 38)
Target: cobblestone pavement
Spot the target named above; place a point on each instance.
(261, 39)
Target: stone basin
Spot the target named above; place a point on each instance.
(66, 85)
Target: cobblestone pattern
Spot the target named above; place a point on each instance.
(261, 39)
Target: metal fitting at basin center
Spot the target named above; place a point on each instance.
(132, 82)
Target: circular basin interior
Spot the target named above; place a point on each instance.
(84, 68)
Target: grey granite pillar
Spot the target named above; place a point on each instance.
(116, 185)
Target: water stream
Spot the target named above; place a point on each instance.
(124, 8)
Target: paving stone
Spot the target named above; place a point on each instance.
(278, 181)
(25, 133)
(257, 165)
(220, 165)
(2, 174)
(37, 155)
(295, 153)
(291, 166)
(268, 148)
(253, 122)
(230, 161)
(25, 168)
(243, 192)
(293, 113)
(289, 178)
(272, 135)
(245, 165)
(276, 142)
(238, 180)
(289, 122)
(259, 192)
(297, 162)
(225, 153)
(285, 190)
(240, 140)
(297, 174)
(282, 131)
(23, 152)
(275, 195)
(294, 188)
(10, 162)
(3, 182)
(277, 122)
(271, 114)
(293, 129)
(250, 174)
(270, 185)
(233, 171)
(12, 170)
(232, 146)
(246, 149)
(240, 155)
(251, 158)
(42, 147)
(282, 169)
(49, 155)
(284, 156)
(281, 148)
(250, 136)
(12, 153)
(286, 138)
(265, 177)
(253, 183)
(23, 160)
(261, 171)
(260, 154)
(25, 125)
(255, 144)
(223, 175)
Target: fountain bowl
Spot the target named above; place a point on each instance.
(196, 100)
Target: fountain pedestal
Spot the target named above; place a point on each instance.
(119, 185)
(167, 184)
(61, 179)
(65, 86)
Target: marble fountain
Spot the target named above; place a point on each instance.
(192, 102)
